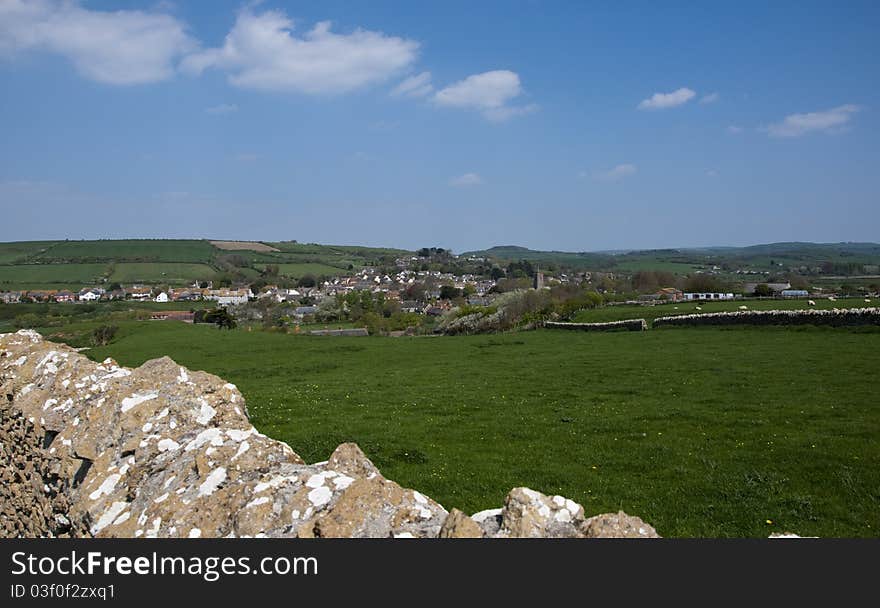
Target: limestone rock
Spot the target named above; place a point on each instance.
(530, 514)
(348, 458)
(459, 525)
(618, 525)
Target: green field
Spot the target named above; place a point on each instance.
(48, 274)
(174, 273)
(636, 265)
(137, 250)
(702, 432)
(15, 252)
(649, 313)
(298, 270)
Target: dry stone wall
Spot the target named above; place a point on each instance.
(95, 449)
(838, 317)
(629, 324)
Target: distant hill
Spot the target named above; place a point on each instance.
(682, 260)
(70, 264)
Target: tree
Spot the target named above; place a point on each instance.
(449, 292)
(763, 290)
(102, 336)
(307, 280)
(219, 317)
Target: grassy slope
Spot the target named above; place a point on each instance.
(703, 432)
(166, 272)
(138, 250)
(46, 274)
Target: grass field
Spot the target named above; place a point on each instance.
(174, 273)
(47, 274)
(635, 265)
(138, 250)
(702, 432)
(649, 313)
(15, 252)
(298, 270)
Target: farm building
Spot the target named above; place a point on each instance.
(172, 315)
(302, 311)
(225, 297)
(749, 288)
(708, 296)
(794, 293)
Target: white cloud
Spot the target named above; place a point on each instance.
(414, 86)
(711, 173)
(828, 121)
(616, 173)
(659, 101)
(120, 47)
(468, 179)
(223, 108)
(489, 93)
(734, 130)
(260, 52)
(710, 98)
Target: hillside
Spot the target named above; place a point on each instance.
(74, 264)
(837, 258)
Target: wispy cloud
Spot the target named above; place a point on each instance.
(710, 98)
(223, 108)
(261, 52)
(120, 47)
(827, 121)
(616, 173)
(468, 179)
(734, 129)
(490, 93)
(660, 101)
(414, 86)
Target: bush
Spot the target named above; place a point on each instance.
(103, 335)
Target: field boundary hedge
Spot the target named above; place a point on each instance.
(843, 317)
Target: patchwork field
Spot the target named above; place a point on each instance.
(242, 246)
(702, 432)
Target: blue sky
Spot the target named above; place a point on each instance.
(554, 125)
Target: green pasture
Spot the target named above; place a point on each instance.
(135, 250)
(702, 432)
(50, 276)
(127, 273)
(17, 252)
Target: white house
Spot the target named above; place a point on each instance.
(89, 295)
(162, 297)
